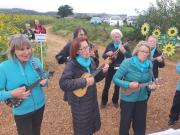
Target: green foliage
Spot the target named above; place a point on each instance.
(64, 11)
(164, 15)
(14, 23)
(164, 39)
(98, 34)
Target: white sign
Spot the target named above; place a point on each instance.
(40, 37)
(168, 132)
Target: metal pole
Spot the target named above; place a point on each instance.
(41, 53)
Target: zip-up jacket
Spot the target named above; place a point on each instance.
(131, 73)
(178, 71)
(14, 75)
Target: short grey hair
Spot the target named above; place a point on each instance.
(116, 31)
(17, 42)
(139, 45)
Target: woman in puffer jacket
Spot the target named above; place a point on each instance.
(134, 76)
(84, 108)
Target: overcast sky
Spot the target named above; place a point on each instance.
(81, 6)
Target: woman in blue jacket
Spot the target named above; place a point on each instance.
(175, 109)
(136, 72)
(16, 74)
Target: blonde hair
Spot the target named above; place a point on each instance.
(116, 31)
(17, 42)
(139, 45)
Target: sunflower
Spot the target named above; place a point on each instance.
(169, 49)
(172, 31)
(145, 29)
(156, 33)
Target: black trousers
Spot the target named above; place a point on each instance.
(149, 94)
(29, 124)
(108, 79)
(133, 113)
(175, 109)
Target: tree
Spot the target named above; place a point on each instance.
(64, 11)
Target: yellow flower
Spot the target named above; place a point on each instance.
(172, 31)
(156, 33)
(145, 29)
(169, 49)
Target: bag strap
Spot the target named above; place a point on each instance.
(151, 72)
(35, 66)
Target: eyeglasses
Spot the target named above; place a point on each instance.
(147, 52)
(81, 34)
(84, 48)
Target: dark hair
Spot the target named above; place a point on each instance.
(75, 45)
(77, 30)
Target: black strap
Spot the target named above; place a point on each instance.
(151, 72)
(35, 66)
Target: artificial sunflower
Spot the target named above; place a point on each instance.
(172, 31)
(169, 49)
(156, 33)
(145, 29)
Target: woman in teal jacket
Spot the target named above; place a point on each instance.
(16, 73)
(131, 76)
(175, 109)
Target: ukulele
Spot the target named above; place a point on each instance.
(117, 51)
(163, 56)
(82, 91)
(15, 102)
(141, 85)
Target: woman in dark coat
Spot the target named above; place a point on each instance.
(29, 32)
(124, 52)
(85, 111)
(156, 57)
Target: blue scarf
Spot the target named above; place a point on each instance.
(117, 44)
(142, 66)
(152, 52)
(85, 62)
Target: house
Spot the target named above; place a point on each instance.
(115, 20)
(95, 20)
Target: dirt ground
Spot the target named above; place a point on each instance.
(57, 118)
